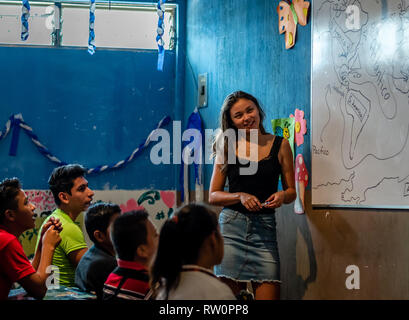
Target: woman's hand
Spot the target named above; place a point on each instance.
(250, 202)
(276, 200)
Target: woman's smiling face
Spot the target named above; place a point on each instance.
(245, 115)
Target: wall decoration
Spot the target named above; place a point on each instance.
(289, 15)
(300, 126)
(91, 39)
(360, 104)
(168, 198)
(160, 30)
(42, 199)
(284, 127)
(160, 204)
(24, 20)
(301, 181)
(16, 122)
(130, 205)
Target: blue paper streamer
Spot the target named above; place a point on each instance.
(160, 31)
(194, 122)
(91, 39)
(24, 20)
(17, 120)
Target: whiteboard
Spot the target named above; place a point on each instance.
(360, 103)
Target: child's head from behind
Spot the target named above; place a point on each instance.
(98, 221)
(191, 236)
(134, 237)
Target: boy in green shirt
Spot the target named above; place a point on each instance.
(72, 196)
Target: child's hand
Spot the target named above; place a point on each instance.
(51, 222)
(51, 237)
(56, 222)
(58, 225)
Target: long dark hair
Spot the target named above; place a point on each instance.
(225, 121)
(180, 240)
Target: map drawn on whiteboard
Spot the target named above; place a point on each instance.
(360, 103)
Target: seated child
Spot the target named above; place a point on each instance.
(190, 245)
(135, 242)
(72, 196)
(17, 216)
(99, 261)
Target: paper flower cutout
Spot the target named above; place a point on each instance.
(300, 127)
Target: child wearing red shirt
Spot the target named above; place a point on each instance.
(17, 216)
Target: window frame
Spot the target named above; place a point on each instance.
(121, 5)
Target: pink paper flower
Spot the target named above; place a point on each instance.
(300, 127)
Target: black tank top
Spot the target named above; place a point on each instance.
(262, 184)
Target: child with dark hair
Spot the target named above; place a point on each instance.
(99, 261)
(190, 245)
(17, 216)
(135, 242)
(72, 196)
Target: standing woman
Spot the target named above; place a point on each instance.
(247, 221)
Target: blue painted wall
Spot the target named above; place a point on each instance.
(91, 110)
(96, 109)
(237, 43)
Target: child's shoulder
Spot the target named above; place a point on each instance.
(5, 238)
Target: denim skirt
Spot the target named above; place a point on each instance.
(250, 247)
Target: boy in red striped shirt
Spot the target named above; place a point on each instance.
(135, 242)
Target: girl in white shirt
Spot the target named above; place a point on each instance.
(190, 245)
